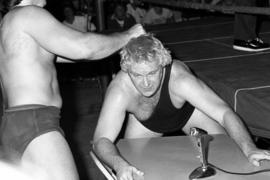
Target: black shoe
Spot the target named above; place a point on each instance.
(254, 45)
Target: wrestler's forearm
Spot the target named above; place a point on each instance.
(101, 46)
(109, 154)
(237, 131)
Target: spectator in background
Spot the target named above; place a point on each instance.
(245, 30)
(120, 19)
(77, 6)
(177, 16)
(134, 8)
(158, 15)
(79, 22)
(177, 13)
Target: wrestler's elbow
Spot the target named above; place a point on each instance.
(100, 137)
(228, 116)
(90, 53)
(86, 53)
(222, 113)
(79, 49)
(99, 143)
(90, 49)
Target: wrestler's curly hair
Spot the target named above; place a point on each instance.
(8, 4)
(145, 48)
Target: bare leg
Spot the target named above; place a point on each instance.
(201, 120)
(51, 153)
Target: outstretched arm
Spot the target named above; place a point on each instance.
(61, 40)
(109, 125)
(237, 131)
(217, 109)
(203, 98)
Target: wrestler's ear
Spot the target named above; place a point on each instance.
(166, 57)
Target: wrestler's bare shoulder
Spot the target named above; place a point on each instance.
(180, 70)
(121, 87)
(120, 83)
(180, 80)
(21, 15)
(17, 29)
(181, 75)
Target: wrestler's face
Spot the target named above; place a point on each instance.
(146, 77)
(120, 12)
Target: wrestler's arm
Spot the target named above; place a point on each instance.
(109, 125)
(61, 40)
(203, 98)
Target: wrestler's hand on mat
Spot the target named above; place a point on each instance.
(136, 31)
(257, 155)
(130, 173)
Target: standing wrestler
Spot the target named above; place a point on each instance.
(160, 95)
(30, 38)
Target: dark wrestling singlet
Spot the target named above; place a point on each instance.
(166, 118)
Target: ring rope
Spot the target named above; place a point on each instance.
(226, 9)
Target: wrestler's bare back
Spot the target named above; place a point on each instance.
(27, 70)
